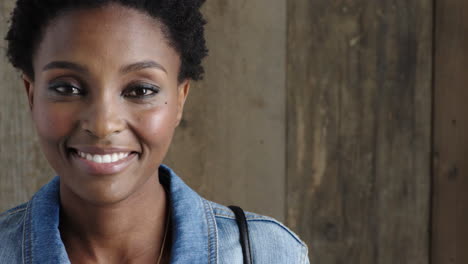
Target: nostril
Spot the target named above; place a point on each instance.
(102, 126)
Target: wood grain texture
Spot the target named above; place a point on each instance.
(450, 201)
(24, 169)
(231, 144)
(359, 122)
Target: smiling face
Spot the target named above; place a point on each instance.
(105, 100)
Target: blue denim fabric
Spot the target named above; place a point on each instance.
(203, 231)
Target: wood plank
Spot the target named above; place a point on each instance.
(24, 168)
(450, 202)
(359, 122)
(231, 144)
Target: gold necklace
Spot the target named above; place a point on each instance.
(164, 239)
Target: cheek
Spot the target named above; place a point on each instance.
(157, 125)
(52, 121)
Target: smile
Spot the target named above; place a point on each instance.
(107, 158)
(98, 161)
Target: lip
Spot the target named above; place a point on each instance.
(94, 168)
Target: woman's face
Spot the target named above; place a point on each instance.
(105, 100)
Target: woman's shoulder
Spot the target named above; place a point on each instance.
(265, 223)
(271, 240)
(11, 234)
(12, 217)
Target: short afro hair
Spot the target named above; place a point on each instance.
(183, 25)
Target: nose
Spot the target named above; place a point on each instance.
(102, 119)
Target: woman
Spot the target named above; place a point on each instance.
(106, 83)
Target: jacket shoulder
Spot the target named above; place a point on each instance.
(12, 219)
(271, 241)
(11, 234)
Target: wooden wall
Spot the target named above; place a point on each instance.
(450, 199)
(319, 113)
(359, 129)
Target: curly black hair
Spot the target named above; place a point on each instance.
(183, 25)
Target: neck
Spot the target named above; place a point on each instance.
(130, 230)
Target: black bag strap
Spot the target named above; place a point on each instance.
(244, 233)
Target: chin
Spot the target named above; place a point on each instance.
(101, 192)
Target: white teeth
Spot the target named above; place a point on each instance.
(108, 158)
(115, 157)
(97, 158)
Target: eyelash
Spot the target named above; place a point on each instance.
(66, 89)
(146, 87)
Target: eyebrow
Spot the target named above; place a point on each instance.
(82, 69)
(65, 65)
(142, 65)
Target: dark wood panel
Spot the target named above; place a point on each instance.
(359, 122)
(450, 202)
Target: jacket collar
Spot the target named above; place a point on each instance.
(42, 242)
(194, 228)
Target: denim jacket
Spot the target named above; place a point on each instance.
(204, 231)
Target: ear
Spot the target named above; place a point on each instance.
(29, 86)
(182, 93)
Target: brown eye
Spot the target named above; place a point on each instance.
(141, 91)
(65, 89)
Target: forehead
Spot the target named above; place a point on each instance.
(113, 34)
